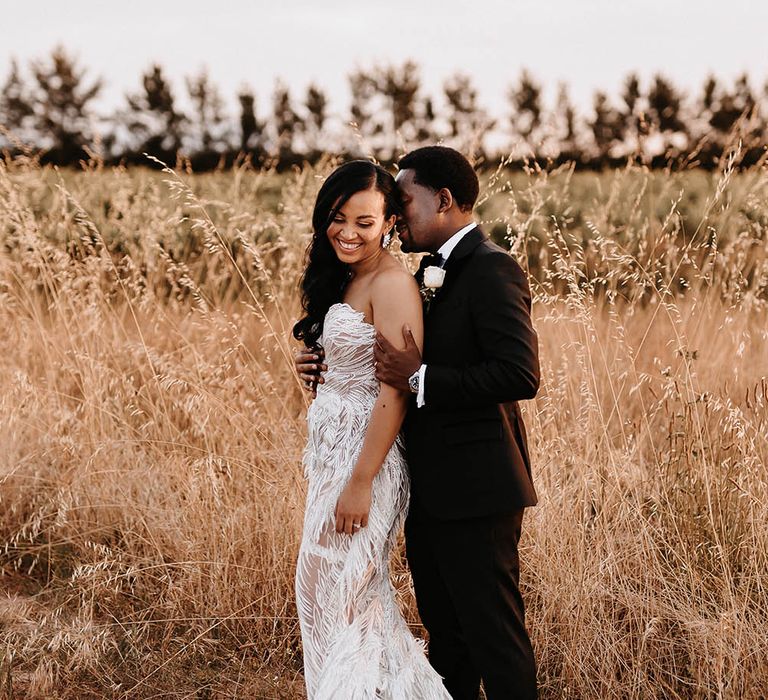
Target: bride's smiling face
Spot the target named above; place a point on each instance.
(356, 228)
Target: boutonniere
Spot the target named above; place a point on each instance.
(433, 279)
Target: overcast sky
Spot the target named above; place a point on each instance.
(587, 43)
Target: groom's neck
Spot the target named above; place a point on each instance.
(450, 229)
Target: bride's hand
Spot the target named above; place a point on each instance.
(353, 506)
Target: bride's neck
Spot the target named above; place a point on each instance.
(369, 264)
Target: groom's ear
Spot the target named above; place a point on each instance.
(444, 199)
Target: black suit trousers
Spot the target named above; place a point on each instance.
(466, 576)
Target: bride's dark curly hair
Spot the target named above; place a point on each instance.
(325, 276)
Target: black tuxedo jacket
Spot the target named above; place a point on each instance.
(466, 447)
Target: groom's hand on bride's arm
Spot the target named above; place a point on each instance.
(394, 366)
(309, 366)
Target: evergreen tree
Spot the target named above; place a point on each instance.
(527, 110)
(286, 123)
(720, 111)
(709, 94)
(425, 123)
(709, 145)
(607, 127)
(62, 104)
(316, 105)
(251, 129)
(209, 131)
(751, 123)
(664, 103)
(388, 108)
(665, 113)
(400, 86)
(633, 115)
(154, 124)
(363, 88)
(16, 110)
(566, 134)
(468, 123)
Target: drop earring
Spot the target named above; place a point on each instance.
(386, 239)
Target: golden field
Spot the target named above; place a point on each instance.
(151, 430)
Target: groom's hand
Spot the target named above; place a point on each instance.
(393, 366)
(309, 366)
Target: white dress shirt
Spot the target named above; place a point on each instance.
(445, 250)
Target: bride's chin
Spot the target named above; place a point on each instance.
(349, 256)
(346, 258)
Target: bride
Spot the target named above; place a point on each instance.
(356, 643)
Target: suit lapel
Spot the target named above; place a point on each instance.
(473, 238)
(458, 257)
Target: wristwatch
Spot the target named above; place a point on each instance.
(413, 381)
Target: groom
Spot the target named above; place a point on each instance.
(464, 435)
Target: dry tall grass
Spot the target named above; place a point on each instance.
(151, 429)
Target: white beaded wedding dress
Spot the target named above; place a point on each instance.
(356, 643)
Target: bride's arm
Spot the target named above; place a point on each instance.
(395, 300)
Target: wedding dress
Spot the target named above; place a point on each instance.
(356, 643)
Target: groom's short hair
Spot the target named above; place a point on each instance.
(437, 167)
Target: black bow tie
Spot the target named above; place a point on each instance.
(432, 260)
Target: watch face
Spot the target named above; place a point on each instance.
(413, 382)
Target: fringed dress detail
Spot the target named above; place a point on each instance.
(357, 645)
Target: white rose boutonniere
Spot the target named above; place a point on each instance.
(433, 279)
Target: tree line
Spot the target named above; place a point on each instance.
(50, 110)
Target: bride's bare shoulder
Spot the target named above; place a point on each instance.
(394, 292)
(395, 300)
(393, 277)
